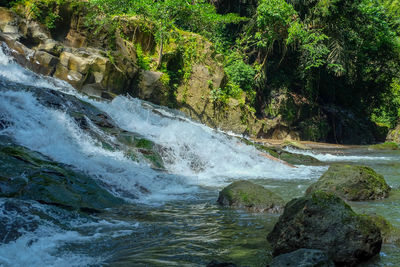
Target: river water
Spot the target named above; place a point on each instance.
(177, 222)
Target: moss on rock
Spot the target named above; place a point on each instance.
(30, 175)
(246, 195)
(354, 183)
(324, 221)
(390, 233)
(385, 146)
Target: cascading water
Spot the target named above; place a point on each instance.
(170, 217)
(204, 156)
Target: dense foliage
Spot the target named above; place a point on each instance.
(337, 53)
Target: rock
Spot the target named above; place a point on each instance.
(255, 198)
(354, 183)
(294, 144)
(324, 221)
(394, 135)
(390, 233)
(150, 85)
(297, 159)
(303, 258)
(31, 176)
(291, 158)
(47, 62)
(385, 146)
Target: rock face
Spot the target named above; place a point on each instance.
(246, 195)
(303, 258)
(73, 56)
(324, 221)
(354, 183)
(394, 135)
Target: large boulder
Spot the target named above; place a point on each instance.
(246, 195)
(303, 258)
(351, 182)
(31, 176)
(324, 221)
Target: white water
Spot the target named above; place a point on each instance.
(327, 157)
(41, 247)
(195, 155)
(202, 155)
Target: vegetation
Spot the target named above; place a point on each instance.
(337, 53)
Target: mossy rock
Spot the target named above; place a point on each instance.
(390, 233)
(298, 159)
(29, 175)
(291, 158)
(246, 195)
(385, 146)
(324, 221)
(352, 182)
(294, 144)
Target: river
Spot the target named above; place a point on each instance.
(176, 221)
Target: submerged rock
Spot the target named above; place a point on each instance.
(324, 221)
(291, 158)
(29, 175)
(303, 258)
(354, 183)
(246, 195)
(385, 146)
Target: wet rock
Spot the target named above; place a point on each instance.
(390, 233)
(297, 159)
(324, 221)
(291, 158)
(31, 176)
(249, 196)
(303, 258)
(354, 183)
(385, 146)
(294, 144)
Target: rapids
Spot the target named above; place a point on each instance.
(175, 221)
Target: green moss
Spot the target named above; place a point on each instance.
(29, 175)
(244, 194)
(352, 183)
(385, 146)
(143, 143)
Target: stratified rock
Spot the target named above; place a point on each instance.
(303, 258)
(354, 183)
(246, 195)
(324, 221)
